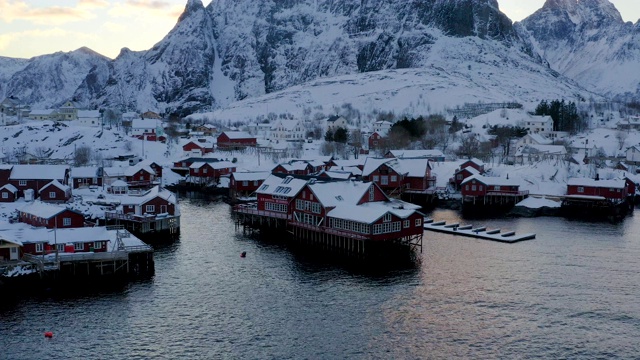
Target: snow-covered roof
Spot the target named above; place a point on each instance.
(545, 149)
(288, 125)
(339, 193)
(94, 114)
(146, 124)
(132, 170)
(46, 112)
(492, 181)
(235, 135)
(369, 212)
(337, 174)
(541, 140)
(294, 166)
(350, 162)
(43, 210)
(213, 165)
(614, 184)
(200, 144)
(416, 153)
(409, 167)
(38, 172)
(9, 187)
(114, 171)
(55, 183)
(475, 161)
(287, 187)
(154, 192)
(250, 176)
(119, 183)
(84, 172)
(470, 169)
(29, 235)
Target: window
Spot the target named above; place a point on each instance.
(255, 183)
(195, 171)
(480, 187)
(150, 208)
(371, 193)
(204, 171)
(418, 222)
(60, 247)
(66, 222)
(580, 189)
(466, 187)
(275, 207)
(22, 183)
(394, 178)
(473, 188)
(387, 217)
(315, 207)
(52, 194)
(407, 223)
(78, 246)
(496, 188)
(5, 195)
(459, 176)
(39, 247)
(376, 178)
(384, 180)
(97, 245)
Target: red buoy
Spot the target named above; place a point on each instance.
(243, 254)
(48, 334)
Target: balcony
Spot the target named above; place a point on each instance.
(252, 209)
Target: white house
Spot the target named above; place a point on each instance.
(335, 122)
(89, 118)
(287, 130)
(68, 111)
(532, 139)
(538, 125)
(633, 154)
(382, 126)
(47, 114)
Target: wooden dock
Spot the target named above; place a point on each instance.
(477, 232)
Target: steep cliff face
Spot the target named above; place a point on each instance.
(588, 41)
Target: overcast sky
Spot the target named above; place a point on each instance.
(35, 27)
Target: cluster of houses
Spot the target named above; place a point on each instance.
(43, 195)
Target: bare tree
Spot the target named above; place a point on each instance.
(128, 145)
(82, 155)
(328, 148)
(621, 136)
(42, 152)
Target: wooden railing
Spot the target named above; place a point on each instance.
(251, 209)
(327, 230)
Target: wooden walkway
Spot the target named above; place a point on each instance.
(479, 232)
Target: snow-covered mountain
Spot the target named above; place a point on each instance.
(242, 49)
(588, 41)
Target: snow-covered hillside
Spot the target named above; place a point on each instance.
(589, 42)
(243, 49)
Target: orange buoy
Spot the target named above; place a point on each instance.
(48, 334)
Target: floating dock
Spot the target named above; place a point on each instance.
(478, 232)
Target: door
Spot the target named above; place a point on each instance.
(163, 209)
(13, 253)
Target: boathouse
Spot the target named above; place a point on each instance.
(152, 212)
(432, 154)
(242, 184)
(483, 190)
(461, 174)
(198, 147)
(474, 163)
(204, 173)
(349, 215)
(395, 176)
(140, 175)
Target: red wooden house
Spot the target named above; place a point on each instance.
(376, 139)
(41, 214)
(461, 174)
(157, 168)
(198, 147)
(235, 140)
(276, 194)
(475, 163)
(245, 183)
(34, 177)
(153, 202)
(8, 193)
(86, 176)
(55, 192)
(394, 176)
(139, 175)
(491, 190)
(203, 172)
(610, 190)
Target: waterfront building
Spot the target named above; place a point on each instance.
(55, 192)
(85, 176)
(40, 214)
(235, 140)
(492, 191)
(395, 176)
(242, 184)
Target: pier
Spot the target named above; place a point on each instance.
(477, 232)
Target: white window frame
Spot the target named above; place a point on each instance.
(60, 247)
(387, 217)
(5, 195)
(384, 180)
(581, 189)
(150, 208)
(407, 223)
(97, 244)
(22, 183)
(418, 222)
(39, 247)
(52, 194)
(66, 221)
(394, 178)
(78, 246)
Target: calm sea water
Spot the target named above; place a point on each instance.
(571, 293)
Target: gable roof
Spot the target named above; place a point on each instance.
(614, 184)
(410, 167)
(250, 176)
(334, 118)
(408, 154)
(235, 135)
(287, 187)
(84, 172)
(370, 212)
(9, 187)
(44, 210)
(132, 170)
(332, 194)
(57, 184)
(491, 181)
(38, 172)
